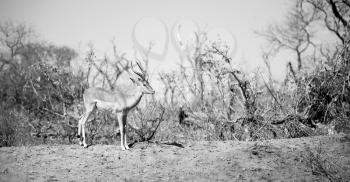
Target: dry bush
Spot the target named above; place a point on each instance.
(145, 121)
(7, 129)
(102, 128)
(15, 129)
(256, 129)
(170, 130)
(201, 126)
(295, 129)
(324, 96)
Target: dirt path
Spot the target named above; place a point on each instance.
(281, 160)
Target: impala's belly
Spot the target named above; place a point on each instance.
(110, 106)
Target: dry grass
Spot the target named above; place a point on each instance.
(321, 164)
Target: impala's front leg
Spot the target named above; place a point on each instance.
(121, 128)
(125, 131)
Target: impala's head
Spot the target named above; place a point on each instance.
(141, 80)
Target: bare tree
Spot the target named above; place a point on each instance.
(298, 31)
(334, 14)
(294, 35)
(170, 86)
(106, 69)
(195, 58)
(62, 55)
(13, 38)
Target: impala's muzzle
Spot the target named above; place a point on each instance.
(149, 89)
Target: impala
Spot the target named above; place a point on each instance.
(118, 101)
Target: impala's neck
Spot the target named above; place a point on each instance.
(134, 99)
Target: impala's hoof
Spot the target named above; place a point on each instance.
(78, 136)
(85, 146)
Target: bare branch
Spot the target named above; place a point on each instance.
(336, 13)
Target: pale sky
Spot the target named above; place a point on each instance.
(76, 22)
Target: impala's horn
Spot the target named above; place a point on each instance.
(136, 72)
(140, 67)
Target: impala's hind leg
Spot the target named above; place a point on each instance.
(80, 136)
(82, 124)
(79, 127)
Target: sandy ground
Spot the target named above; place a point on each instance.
(273, 160)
